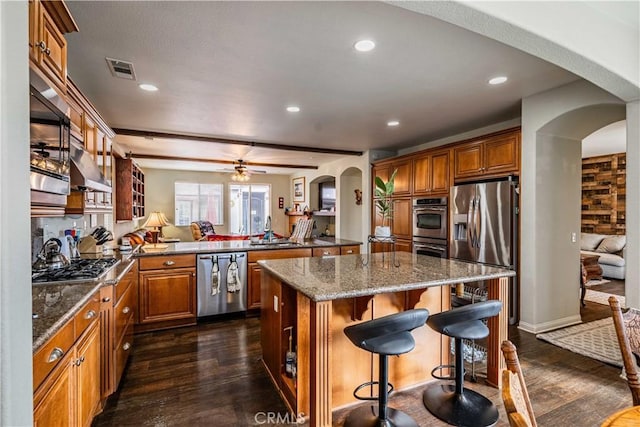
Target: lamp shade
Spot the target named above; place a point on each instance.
(156, 219)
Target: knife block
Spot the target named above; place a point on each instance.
(88, 245)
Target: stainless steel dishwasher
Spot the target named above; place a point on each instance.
(222, 283)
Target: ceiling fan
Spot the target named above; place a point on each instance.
(241, 171)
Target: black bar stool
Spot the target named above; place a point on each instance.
(455, 404)
(388, 335)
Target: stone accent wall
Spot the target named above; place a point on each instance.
(604, 194)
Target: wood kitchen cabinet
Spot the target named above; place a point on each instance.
(118, 308)
(402, 182)
(431, 174)
(129, 179)
(69, 395)
(48, 22)
(88, 127)
(495, 155)
(167, 292)
(254, 270)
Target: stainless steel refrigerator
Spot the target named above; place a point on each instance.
(484, 227)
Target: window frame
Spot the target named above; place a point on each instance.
(220, 207)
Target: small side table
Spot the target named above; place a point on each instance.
(387, 242)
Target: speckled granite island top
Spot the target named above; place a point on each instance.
(237, 246)
(346, 276)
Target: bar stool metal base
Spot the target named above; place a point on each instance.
(367, 416)
(469, 409)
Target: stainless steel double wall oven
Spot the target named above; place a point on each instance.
(430, 225)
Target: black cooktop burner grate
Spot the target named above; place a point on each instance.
(82, 269)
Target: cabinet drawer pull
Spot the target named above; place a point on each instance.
(350, 251)
(126, 346)
(56, 354)
(126, 310)
(106, 299)
(169, 263)
(90, 314)
(325, 253)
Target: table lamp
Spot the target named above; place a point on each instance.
(157, 220)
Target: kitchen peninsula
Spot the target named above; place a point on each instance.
(319, 297)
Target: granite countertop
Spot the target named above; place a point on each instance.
(329, 278)
(54, 304)
(237, 246)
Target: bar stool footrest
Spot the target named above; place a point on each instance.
(370, 384)
(452, 376)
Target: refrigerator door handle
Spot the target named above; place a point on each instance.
(477, 227)
(470, 243)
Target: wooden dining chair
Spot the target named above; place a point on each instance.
(627, 327)
(514, 390)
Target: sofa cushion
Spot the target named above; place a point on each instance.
(606, 258)
(612, 244)
(590, 241)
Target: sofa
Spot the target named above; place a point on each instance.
(610, 249)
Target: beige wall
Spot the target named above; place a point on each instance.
(159, 196)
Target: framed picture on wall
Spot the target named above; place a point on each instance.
(298, 189)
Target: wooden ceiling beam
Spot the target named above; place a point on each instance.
(226, 162)
(167, 135)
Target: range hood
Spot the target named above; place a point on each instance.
(85, 174)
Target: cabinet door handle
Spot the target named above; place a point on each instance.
(47, 51)
(81, 359)
(42, 45)
(126, 346)
(90, 314)
(56, 354)
(169, 263)
(78, 362)
(126, 310)
(106, 299)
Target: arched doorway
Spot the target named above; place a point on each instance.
(551, 200)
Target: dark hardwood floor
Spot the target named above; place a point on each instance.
(211, 375)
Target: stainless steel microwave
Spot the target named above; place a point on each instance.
(430, 217)
(49, 139)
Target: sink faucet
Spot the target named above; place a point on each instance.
(268, 233)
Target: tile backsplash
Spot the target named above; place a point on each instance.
(42, 229)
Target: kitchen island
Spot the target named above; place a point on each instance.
(316, 298)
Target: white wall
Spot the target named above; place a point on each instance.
(553, 125)
(632, 283)
(16, 389)
(159, 196)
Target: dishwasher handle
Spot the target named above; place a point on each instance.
(220, 256)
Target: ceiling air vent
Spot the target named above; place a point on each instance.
(121, 69)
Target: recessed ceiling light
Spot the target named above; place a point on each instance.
(148, 87)
(497, 80)
(293, 109)
(364, 45)
(393, 123)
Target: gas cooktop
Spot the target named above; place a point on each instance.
(81, 270)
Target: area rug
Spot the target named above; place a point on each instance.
(602, 297)
(596, 340)
(594, 282)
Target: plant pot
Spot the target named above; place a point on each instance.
(382, 231)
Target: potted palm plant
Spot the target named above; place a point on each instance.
(383, 192)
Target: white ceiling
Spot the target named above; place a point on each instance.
(229, 69)
(611, 139)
